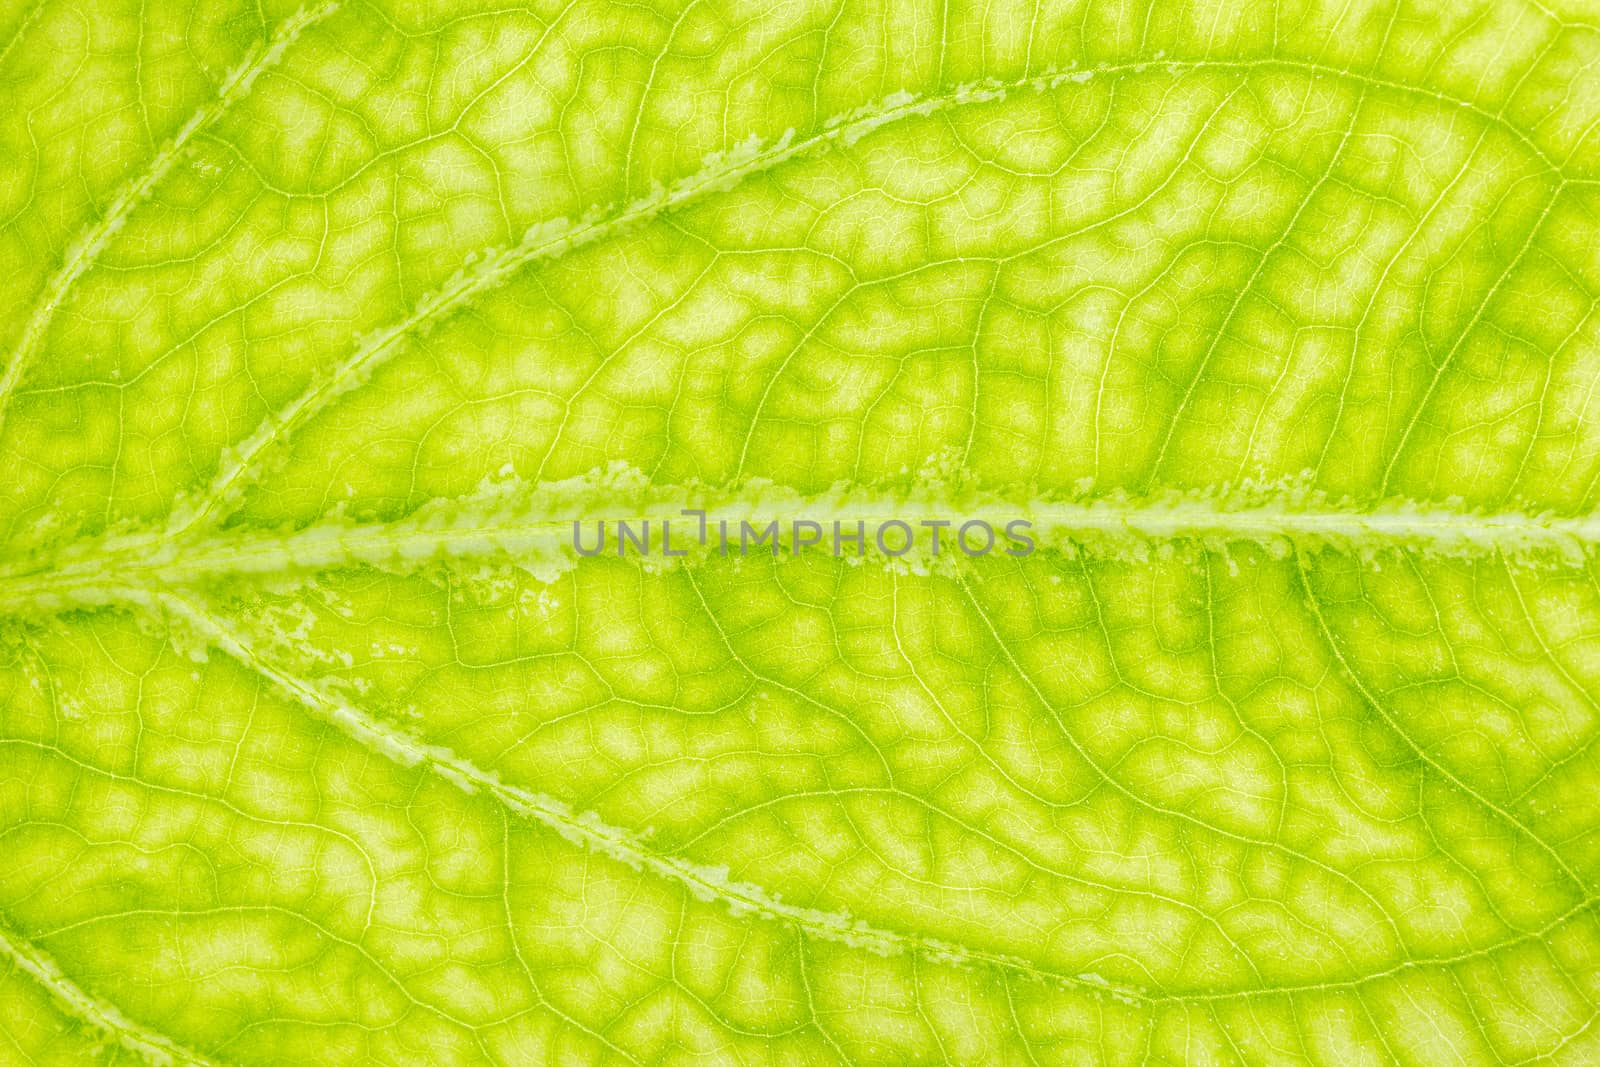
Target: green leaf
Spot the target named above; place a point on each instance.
(320, 742)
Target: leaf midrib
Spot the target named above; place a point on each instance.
(532, 525)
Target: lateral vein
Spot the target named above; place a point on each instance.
(713, 884)
(553, 238)
(155, 1048)
(85, 248)
(588, 830)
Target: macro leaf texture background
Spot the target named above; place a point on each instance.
(1276, 320)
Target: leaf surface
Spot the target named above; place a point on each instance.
(319, 743)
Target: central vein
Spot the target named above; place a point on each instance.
(548, 529)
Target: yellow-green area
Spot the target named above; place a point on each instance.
(319, 326)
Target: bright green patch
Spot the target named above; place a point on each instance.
(1276, 322)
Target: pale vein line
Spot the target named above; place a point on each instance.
(23, 26)
(86, 247)
(1484, 303)
(1313, 604)
(587, 830)
(713, 885)
(554, 238)
(532, 525)
(155, 1048)
(549, 240)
